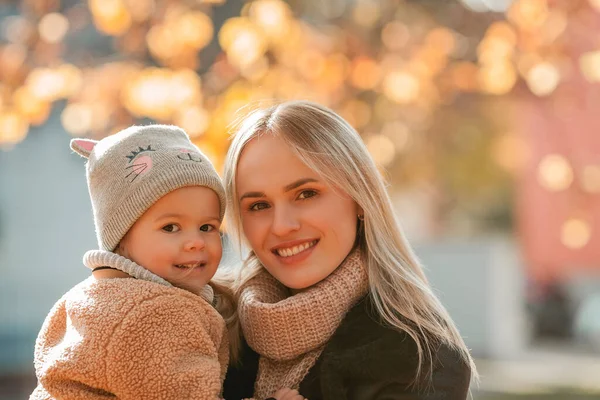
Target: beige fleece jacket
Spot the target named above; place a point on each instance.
(130, 339)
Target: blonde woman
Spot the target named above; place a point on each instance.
(332, 300)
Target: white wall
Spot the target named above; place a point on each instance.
(45, 227)
(482, 284)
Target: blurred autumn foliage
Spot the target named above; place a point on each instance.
(431, 85)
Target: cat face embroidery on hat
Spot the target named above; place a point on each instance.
(140, 163)
(139, 160)
(189, 155)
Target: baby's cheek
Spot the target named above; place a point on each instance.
(216, 247)
(122, 250)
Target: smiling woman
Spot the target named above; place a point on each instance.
(332, 300)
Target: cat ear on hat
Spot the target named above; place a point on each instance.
(83, 147)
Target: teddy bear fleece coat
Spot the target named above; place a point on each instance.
(130, 339)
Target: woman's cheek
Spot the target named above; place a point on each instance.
(250, 227)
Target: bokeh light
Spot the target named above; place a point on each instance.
(590, 65)
(53, 27)
(543, 78)
(193, 119)
(111, 16)
(30, 107)
(242, 41)
(13, 128)
(576, 233)
(497, 78)
(381, 148)
(272, 16)
(46, 83)
(528, 14)
(401, 87)
(555, 173)
(77, 119)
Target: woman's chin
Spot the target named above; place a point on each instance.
(300, 285)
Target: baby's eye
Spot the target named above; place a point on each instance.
(207, 228)
(258, 206)
(305, 194)
(170, 228)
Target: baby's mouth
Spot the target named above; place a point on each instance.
(191, 265)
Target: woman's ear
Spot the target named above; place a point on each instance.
(83, 147)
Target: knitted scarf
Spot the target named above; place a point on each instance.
(100, 258)
(290, 332)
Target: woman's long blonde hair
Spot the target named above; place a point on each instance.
(326, 143)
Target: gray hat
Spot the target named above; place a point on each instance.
(132, 169)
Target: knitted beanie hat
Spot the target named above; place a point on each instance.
(132, 169)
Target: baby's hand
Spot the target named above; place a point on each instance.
(287, 394)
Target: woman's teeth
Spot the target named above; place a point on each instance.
(292, 251)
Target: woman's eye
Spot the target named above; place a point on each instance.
(170, 228)
(305, 194)
(258, 206)
(207, 228)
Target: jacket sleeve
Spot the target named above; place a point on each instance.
(449, 381)
(384, 370)
(397, 391)
(369, 360)
(39, 393)
(165, 347)
(240, 378)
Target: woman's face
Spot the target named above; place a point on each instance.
(300, 228)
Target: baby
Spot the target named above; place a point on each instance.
(144, 325)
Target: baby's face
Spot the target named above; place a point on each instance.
(178, 238)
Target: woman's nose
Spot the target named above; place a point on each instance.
(285, 221)
(194, 242)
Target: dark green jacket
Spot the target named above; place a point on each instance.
(364, 360)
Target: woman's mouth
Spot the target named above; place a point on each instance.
(294, 250)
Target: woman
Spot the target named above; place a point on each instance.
(331, 298)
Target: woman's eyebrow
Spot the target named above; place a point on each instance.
(298, 183)
(252, 194)
(287, 188)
